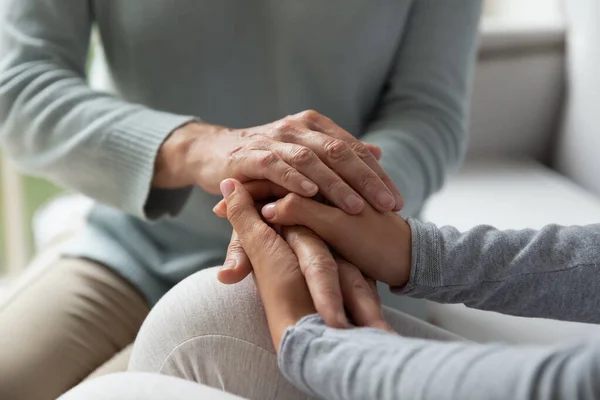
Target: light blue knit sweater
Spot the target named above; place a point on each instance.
(394, 72)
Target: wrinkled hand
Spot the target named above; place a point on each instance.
(305, 153)
(299, 270)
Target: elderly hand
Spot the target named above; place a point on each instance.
(305, 153)
(296, 273)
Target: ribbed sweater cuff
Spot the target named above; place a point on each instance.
(133, 146)
(427, 257)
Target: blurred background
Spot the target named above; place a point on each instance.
(532, 157)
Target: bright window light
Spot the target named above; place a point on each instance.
(524, 10)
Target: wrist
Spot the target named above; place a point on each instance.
(286, 302)
(401, 265)
(172, 168)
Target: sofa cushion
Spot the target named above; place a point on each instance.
(509, 194)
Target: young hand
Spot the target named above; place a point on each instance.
(379, 244)
(291, 273)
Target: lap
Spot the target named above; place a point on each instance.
(213, 334)
(217, 335)
(64, 322)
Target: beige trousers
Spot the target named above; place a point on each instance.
(70, 320)
(76, 318)
(217, 335)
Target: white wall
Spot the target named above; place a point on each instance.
(578, 152)
(524, 10)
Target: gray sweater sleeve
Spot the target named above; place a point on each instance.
(550, 273)
(52, 124)
(420, 123)
(365, 363)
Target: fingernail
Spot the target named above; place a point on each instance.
(309, 187)
(229, 264)
(227, 187)
(385, 200)
(353, 202)
(268, 211)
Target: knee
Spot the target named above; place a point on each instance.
(195, 316)
(14, 386)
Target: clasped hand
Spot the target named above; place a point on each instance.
(294, 268)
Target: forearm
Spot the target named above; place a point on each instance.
(286, 301)
(551, 273)
(415, 167)
(54, 125)
(421, 124)
(369, 364)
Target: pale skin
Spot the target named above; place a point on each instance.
(279, 259)
(306, 154)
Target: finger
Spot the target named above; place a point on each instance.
(375, 150)
(340, 157)
(373, 285)
(359, 299)
(260, 242)
(221, 209)
(333, 186)
(363, 151)
(259, 190)
(237, 265)
(370, 154)
(327, 222)
(321, 274)
(265, 164)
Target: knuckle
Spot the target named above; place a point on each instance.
(243, 133)
(268, 236)
(335, 186)
(361, 150)
(310, 115)
(302, 156)
(235, 155)
(257, 141)
(337, 150)
(284, 127)
(288, 175)
(290, 203)
(235, 211)
(369, 181)
(268, 160)
(318, 269)
(360, 285)
(235, 246)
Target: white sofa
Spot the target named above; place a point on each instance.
(534, 157)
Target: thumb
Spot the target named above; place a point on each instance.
(240, 205)
(237, 264)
